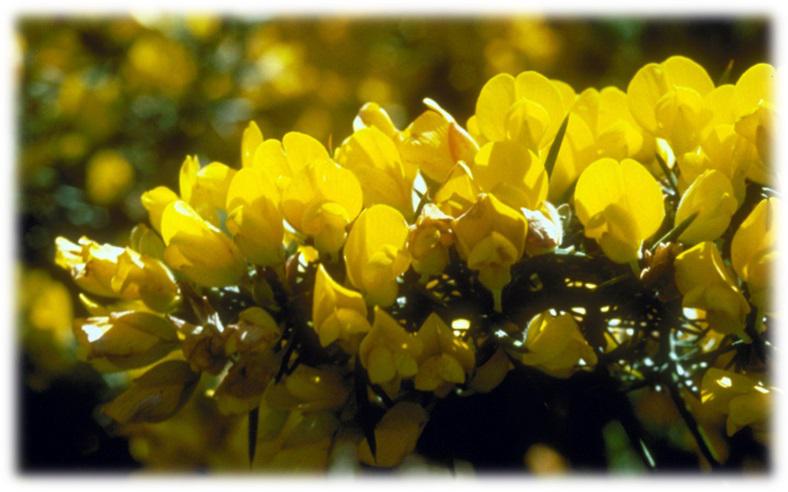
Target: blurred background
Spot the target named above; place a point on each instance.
(109, 106)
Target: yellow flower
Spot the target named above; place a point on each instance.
(744, 401)
(375, 253)
(282, 161)
(205, 189)
(754, 253)
(445, 359)
(48, 305)
(722, 150)
(711, 196)
(371, 114)
(620, 204)
(527, 109)
(667, 99)
(338, 313)
(254, 220)
(512, 173)
(429, 241)
(492, 373)
(242, 387)
(434, 142)
(491, 238)
(250, 140)
(320, 201)
(108, 177)
(375, 160)
(293, 441)
(124, 340)
(118, 273)
(396, 435)
(754, 108)
(255, 331)
(556, 346)
(197, 249)
(458, 192)
(156, 395)
(388, 351)
(705, 283)
(308, 389)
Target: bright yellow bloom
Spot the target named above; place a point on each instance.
(711, 196)
(320, 201)
(705, 282)
(512, 173)
(723, 150)
(282, 161)
(434, 142)
(371, 114)
(754, 252)
(375, 253)
(667, 99)
(119, 273)
(743, 400)
(308, 389)
(124, 340)
(254, 220)
(620, 204)
(429, 241)
(338, 313)
(205, 189)
(491, 238)
(197, 249)
(250, 140)
(156, 395)
(754, 108)
(556, 346)
(527, 109)
(445, 359)
(375, 160)
(396, 435)
(458, 192)
(388, 351)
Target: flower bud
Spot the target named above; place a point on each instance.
(338, 313)
(429, 241)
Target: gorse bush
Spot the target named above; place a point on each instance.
(336, 295)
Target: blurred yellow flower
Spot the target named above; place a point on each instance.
(556, 346)
(396, 435)
(375, 253)
(308, 389)
(108, 177)
(124, 340)
(620, 204)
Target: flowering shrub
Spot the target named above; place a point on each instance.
(333, 296)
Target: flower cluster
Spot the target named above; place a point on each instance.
(337, 293)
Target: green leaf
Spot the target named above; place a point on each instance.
(555, 147)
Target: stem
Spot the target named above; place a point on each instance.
(692, 424)
(668, 174)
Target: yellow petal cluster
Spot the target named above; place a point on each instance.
(388, 352)
(556, 346)
(754, 253)
(338, 313)
(445, 359)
